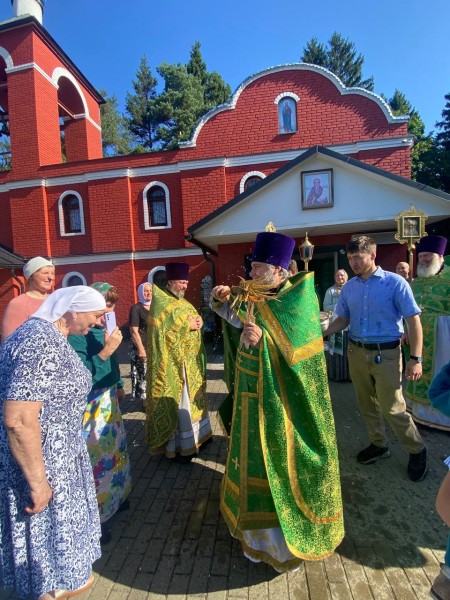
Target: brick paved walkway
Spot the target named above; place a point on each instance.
(172, 544)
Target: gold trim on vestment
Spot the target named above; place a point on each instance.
(291, 354)
(290, 441)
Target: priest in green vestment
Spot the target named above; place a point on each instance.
(177, 412)
(431, 290)
(281, 494)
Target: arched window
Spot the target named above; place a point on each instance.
(249, 180)
(156, 206)
(287, 112)
(73, 278)
(158, 277)
(71, 216)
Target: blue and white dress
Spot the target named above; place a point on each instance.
(56, 548)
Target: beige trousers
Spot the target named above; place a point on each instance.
(379, 393)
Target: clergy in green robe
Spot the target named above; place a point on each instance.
(281, 494)
(431, 290)
(177, 413)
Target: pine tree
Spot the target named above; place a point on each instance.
(189, 92)
(341, 58)
(143, 116)
(116, 137)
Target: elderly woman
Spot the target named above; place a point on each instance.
(103, 426)
(138, 330)
(49, 525)
(40, 275)
(337, 363)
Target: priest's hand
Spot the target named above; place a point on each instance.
(252, 335)
(195, 323)
(221, 293)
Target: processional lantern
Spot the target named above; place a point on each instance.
(306, 250)
(410, 229)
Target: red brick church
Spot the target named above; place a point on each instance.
(293, 146)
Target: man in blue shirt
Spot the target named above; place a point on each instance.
(372, 305)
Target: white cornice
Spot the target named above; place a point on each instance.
(124, 256)
(31, 65)
(234, 161)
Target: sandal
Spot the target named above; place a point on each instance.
(61, 594)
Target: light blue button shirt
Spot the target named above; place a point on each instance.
(376, 306)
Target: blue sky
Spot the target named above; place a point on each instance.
(406, 44)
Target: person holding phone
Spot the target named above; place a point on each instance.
(103, 426)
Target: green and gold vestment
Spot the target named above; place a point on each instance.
(172, 347)
(282, 467)
(432, 294)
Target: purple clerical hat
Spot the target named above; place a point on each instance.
(432, 243)
(273, 248)
(177, 271)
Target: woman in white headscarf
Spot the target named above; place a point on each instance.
(40, 275)
(49, 521)
(138, 353)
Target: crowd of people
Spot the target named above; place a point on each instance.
(64, 463)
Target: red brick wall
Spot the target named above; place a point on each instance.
(324, 117)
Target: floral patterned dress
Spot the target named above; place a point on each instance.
(55, 548)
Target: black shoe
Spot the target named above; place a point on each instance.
(106, 535)
(184, 460)
(124, 506)
(372, 453)
(418, 466)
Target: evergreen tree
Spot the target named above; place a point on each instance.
(189, 92)
(341, 58)
(443, 147)
(116, 137)
(143, 117)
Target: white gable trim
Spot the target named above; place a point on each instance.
(231, 105)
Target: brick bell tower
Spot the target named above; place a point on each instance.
(51, 110)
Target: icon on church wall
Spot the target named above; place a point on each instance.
(317, 189)
(287, 117)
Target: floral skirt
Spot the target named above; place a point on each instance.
(106, 440)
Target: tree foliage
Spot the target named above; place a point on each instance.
(116, 137)
(161, 121)
(141, 107)
(341, 58)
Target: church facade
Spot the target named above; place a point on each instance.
(293, 146)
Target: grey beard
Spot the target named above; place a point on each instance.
(429, 270)
(179, 294)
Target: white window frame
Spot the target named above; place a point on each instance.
(62, 229)
(152, 273)
(67, 276)
(247, 176)
(147, 224)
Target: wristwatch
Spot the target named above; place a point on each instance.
(419, 359)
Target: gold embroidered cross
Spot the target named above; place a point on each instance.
(235, 461)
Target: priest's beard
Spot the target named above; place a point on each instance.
(178, 293)
(430, 269)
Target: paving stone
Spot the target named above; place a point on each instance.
(174, 545)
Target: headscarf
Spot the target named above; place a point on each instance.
(78, 298)
(101, 287)
(34, 264)
(140, 292)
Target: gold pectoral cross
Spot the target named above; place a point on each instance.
(235, 462)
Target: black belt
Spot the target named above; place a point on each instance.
(382, 346)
